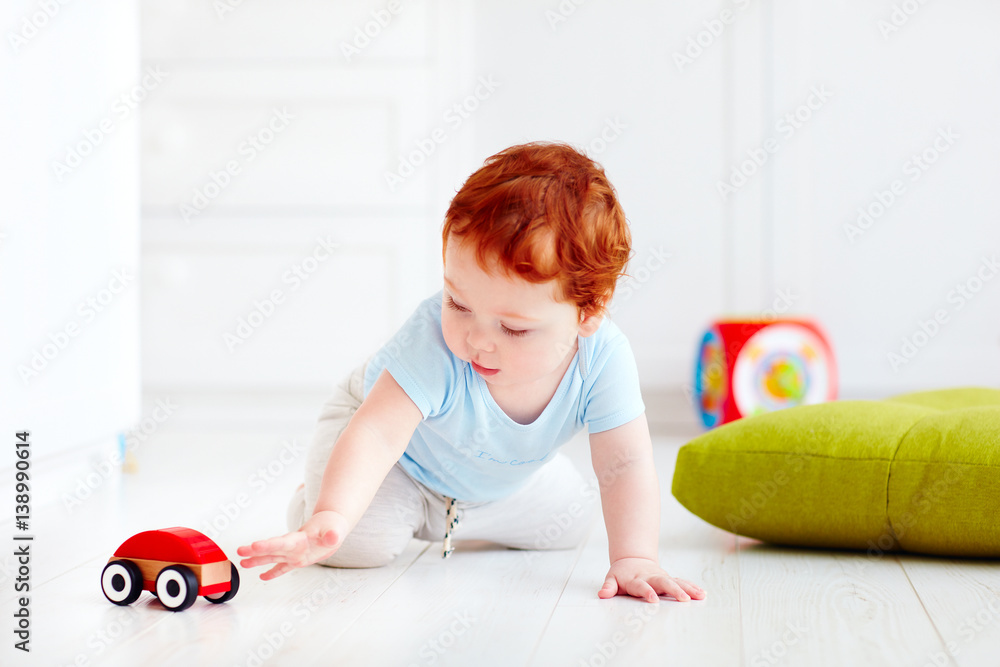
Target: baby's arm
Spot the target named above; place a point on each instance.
(630, 498)
(375, 438)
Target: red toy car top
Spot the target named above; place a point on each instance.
(175, 564)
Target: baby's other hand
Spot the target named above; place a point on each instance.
(645, 579)
(317, 539)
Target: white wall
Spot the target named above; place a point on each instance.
(321, 176)
(901, 85)
(605, 78)
(69, 233)
(605, 72)
(780, 236)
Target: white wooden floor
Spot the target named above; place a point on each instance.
(484, 606)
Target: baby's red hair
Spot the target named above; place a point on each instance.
(544, 211)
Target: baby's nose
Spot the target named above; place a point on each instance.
(480, 339)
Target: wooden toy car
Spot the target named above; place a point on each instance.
(174, 564)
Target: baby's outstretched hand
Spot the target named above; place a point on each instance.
(318, 537)
(645, 579)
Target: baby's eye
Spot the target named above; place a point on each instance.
(455, 306)
(514, 332)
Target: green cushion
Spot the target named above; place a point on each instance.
(919, 472)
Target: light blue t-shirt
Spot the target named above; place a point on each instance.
(467, 447)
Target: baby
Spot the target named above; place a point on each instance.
(453, 427)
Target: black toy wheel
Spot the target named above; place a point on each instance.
(234, 585)
(121, 582)
(176, 587)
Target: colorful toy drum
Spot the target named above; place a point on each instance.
(748, 367)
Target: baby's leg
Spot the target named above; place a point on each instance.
(394, 514)
(555, 509)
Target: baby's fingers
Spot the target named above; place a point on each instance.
(275, 545)
(694, 591)
(255, 549)
(267, 559)
(329, 539)
(679, 589)
(276, 571)
(610, 588)
(641, 589)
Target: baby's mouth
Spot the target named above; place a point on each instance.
(482, 370)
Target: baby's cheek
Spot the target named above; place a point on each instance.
(550, 353)
(450, 337)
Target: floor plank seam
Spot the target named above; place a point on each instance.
(49, 581)
(815, 607)
(739, 601)
(937, 631)
(569, 576)
(378, 597)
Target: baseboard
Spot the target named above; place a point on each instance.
(233, 411)
(669, 411)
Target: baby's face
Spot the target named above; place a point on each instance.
(513, 332)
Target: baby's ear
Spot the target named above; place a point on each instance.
(590, 320)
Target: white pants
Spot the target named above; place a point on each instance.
(554, 509)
